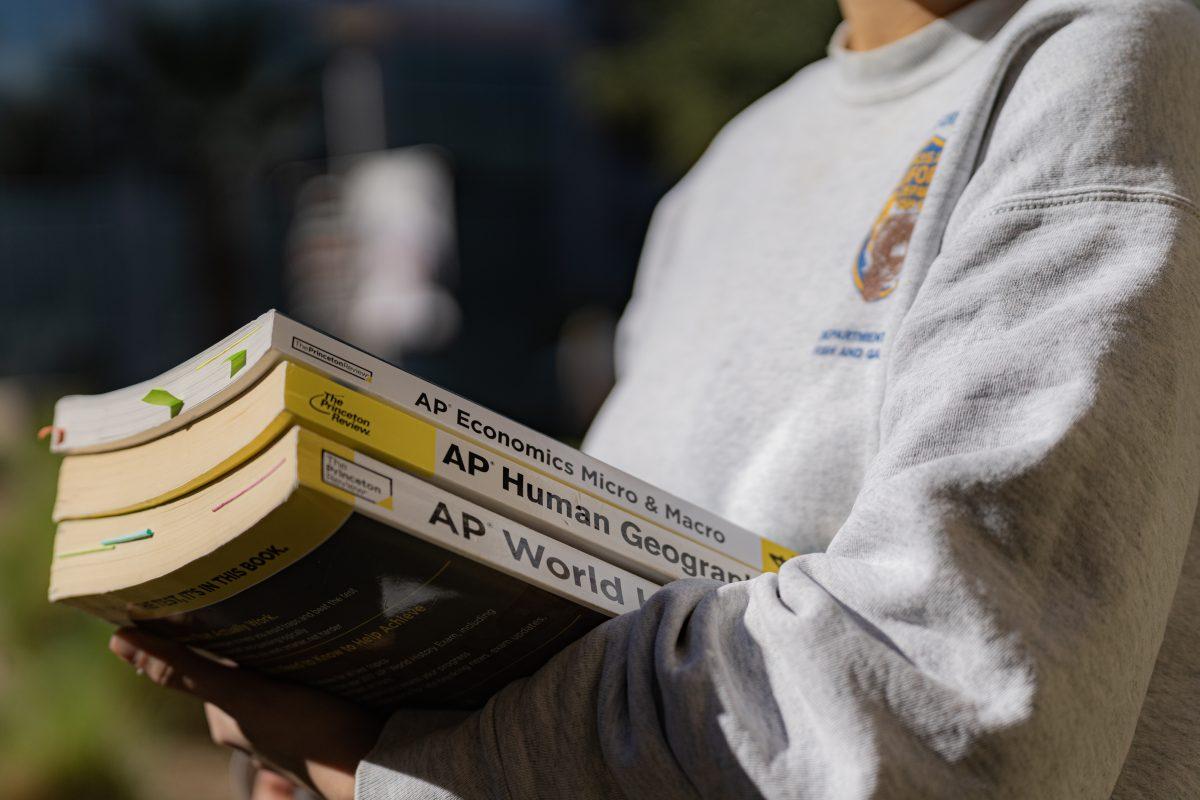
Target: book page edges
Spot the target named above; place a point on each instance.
(214, 381)
(78, 468)
(195, 541)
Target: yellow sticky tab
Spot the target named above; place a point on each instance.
(774, 555)
(366, 424)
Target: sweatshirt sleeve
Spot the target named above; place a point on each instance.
(986, 621)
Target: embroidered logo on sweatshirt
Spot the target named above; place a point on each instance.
(877, 268)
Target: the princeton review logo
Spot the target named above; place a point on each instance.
(877, 268)
(334, 406)
(360, 481)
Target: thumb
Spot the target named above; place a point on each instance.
(178, 667)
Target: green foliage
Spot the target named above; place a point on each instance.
(694, 65)
(72, 717)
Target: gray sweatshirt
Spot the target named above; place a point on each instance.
(930, 315)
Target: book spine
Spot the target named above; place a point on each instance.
(484, 428)
(460, 526)
(531, 496)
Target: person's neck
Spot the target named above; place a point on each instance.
(874, 23)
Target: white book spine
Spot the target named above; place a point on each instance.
(460, 526)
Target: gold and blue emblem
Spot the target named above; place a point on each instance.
(881, 257)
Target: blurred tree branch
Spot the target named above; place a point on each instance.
(675, 72)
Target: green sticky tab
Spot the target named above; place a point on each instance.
(161, 397)
(129, 537)
(236, 362)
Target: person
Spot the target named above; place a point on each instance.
(928, 313)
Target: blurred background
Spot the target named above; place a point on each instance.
(461, 186)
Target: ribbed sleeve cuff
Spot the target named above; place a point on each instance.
(425, 755)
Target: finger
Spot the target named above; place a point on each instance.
(225, 730)
(270, 785)
(176, 667)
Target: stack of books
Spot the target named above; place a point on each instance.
(290, 503)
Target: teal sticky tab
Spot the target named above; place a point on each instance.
(129, 537)
(236, 362)
(161, 397)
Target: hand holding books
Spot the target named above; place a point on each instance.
(311, 737)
